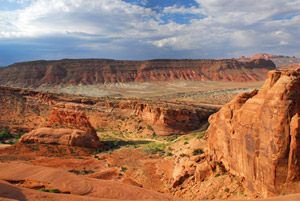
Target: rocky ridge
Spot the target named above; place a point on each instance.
(103, 71)
(279, 60)
(256, 135)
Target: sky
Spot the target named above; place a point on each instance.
(147, 29)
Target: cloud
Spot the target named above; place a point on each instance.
(119, 29)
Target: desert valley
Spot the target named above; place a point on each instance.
(100, 129)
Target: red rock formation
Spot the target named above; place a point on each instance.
(89, 72)
(62, 136)
(256, 135)
(279, 60)
(25, 110)
(70, 115)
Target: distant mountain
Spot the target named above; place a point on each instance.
(279, 60)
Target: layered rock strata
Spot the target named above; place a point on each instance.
(257, 135)
(103, 71)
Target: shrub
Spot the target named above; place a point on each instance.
(197, 152)
(123, 169)
(53, 190)
(19, 135)
(5, 135)
(169, 154)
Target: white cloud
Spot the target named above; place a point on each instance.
(237, 27)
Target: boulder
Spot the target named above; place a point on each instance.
(62, 136)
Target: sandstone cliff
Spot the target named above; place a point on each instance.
(101, 71)
(24, 110)
(256, 135)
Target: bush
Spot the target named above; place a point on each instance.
(197, 152)
(169, 154)
(53, 190)
(5, 135)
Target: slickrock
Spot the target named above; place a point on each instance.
(256, 135)
(66, 183)
(104, 71)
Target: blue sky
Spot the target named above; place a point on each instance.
(147, 29)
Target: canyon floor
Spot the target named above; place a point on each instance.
(145, 163)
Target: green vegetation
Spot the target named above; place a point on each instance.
(100, 129)
(4, 135)
(52, 190)
(43, 189)
(7, 138)
(198, 152)
(201, 134)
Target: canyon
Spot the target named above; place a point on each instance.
(24, 110)
(194, 144)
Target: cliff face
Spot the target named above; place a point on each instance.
(25, 110)
(256, 135)
(89, 72)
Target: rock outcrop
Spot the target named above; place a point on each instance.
(257, 135)
(103, 71)
(62, 136)
(68, 125)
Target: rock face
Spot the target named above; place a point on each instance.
(257, 135)
(25, 110)
(101, 71)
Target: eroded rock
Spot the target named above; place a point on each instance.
(256, 135)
